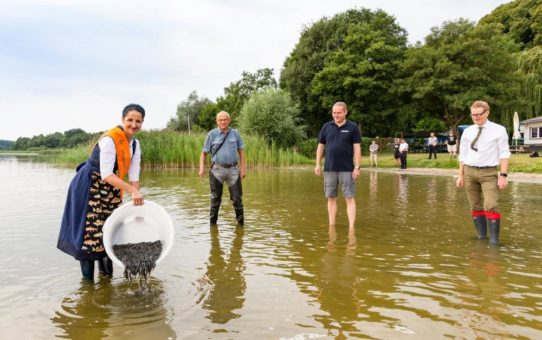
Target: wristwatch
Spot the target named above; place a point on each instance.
(357, 167)
(503, 174)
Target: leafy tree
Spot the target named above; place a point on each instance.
(458, 64)
(188, 112)
(22, 143)
(237, 93)
(272, 114)
(430, 124)
(530, 66)
(362, 72)
(54, 140)
(75, 137)
(521, 19)
(317, 71)
(207, 116)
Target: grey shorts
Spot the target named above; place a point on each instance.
(332, 180)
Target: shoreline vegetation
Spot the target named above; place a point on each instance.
(170, 150)
(164, 149)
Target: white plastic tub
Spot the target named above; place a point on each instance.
(134, 224)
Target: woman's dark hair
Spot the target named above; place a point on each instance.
(133, 107)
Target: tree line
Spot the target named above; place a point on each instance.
(66, 139)
(362, 57)
(6, 144)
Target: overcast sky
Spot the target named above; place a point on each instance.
(76, 63)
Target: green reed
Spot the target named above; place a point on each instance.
(71, 156)
(173, 149)
(169, 149)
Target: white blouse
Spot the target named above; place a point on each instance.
(108, 156)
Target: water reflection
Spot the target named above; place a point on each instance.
(431, 192)
(337, 285)
(373, 190)
(225, 279)
(401, 200)
(486, 291)
(85, 314)
(101, 310)
(450, 191)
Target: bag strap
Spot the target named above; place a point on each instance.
(216, 150)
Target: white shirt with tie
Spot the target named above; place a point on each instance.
(492, 145)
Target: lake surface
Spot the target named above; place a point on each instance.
(417, 271)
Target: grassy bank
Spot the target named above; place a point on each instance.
(166, 149)
(518, 162)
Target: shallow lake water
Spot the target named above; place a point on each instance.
(416, 272)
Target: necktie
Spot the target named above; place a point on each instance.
(476, 139)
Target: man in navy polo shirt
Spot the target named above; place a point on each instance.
(341, 141)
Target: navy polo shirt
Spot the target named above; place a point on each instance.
(339, 142)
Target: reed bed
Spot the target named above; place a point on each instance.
(169, 149)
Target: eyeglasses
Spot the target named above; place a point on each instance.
(478, 114)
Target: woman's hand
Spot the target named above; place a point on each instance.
(137, 198)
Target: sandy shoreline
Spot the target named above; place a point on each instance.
(512, 177)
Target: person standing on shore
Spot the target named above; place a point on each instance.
(396, 153)
(96, 191)
(341, 141)
(483, 147)
(403, 151)
(224, 144)
(373, 151)
(451, 145)
(432, 143)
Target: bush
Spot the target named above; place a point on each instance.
(308, 148)
(431, 124)
(272, 115)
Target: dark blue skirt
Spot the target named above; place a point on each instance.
(70, 238)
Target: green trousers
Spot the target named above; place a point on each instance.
(481, 188)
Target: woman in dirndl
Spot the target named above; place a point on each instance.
(97, 190)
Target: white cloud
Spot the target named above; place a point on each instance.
(67, 64)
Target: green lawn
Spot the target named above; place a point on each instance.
(518, 162)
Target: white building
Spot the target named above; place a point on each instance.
(532, 131)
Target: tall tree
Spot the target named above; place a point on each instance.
(188, 112)
(360, 38)
(238, 92)
(75, 137)
(521, 19)
(362, 72)
(207, 116)
(458, 64)
(530, 66)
